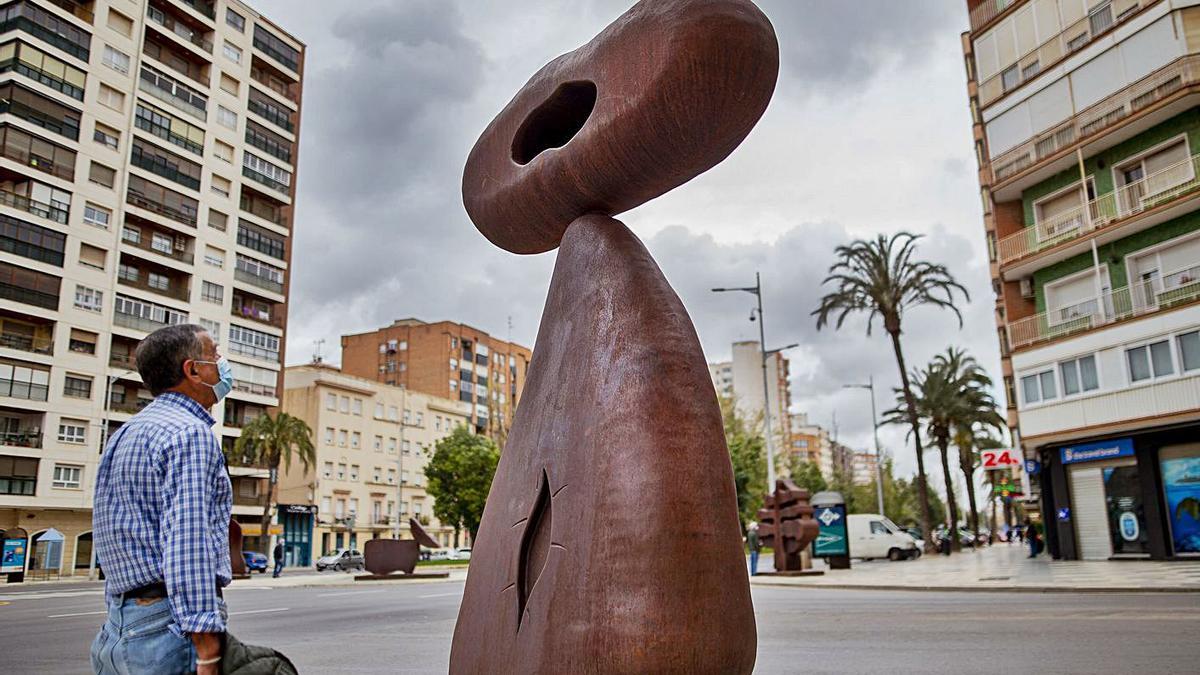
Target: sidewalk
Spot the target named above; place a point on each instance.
(292, 578)
(1001, 568)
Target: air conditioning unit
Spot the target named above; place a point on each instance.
(180, 244)
(1027, 288)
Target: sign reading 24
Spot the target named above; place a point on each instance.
(1000, 458)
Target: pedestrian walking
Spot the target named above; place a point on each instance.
(1034, 539)
(278, 558)
(755, 545)
(161, 515)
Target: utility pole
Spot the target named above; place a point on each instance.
(875, 427)
(756, 289)
(400, 462)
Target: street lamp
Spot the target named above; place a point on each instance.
(400, 461)
(756, 289)
(870, 385)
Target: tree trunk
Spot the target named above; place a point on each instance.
(943, 444)
(910, 403)
(968, 469)
(265, 536)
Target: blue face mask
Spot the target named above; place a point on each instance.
(225, 371)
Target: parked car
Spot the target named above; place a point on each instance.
(342, 560)
(460, 554)
(440, 554)
(874, 536)
(965, 538)
(255, 561)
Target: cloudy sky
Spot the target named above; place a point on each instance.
(869, 132)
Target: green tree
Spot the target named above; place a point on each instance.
(269, 441)
(881, 278)
(806, 474)
(975, 412)
(748, 457)
(459, 476)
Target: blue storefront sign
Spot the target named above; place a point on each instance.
(832, 538)
(1090, 452)
(1033, 467)
(1064, 514)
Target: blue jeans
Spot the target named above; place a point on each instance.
(141, 638)
(753, 562)
(278, 567)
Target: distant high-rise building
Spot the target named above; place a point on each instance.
(147, 178)
(862, 468)
(812, 443)
(448, 360)
(1085, 115)
(741, 380)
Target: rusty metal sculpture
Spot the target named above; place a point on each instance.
(384, 556)
(786, 524)
(610, 540)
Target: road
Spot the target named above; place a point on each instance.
(406, 628)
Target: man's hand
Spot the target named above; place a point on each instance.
(208, 646)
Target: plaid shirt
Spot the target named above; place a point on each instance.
(161, 513)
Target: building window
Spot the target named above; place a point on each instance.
(1039, 387)
(89, 299)
(229, 85)
(115, 59)
(326, 502)
(356, 406)
(158, 281)
(328, 435)
(111, 98)
(131, 234)
(354, 472)
(1150, 361)
(75, 386)
(221, 186)
(213, 327)
(342, 438)
(237, 21)
(102, 175)
(72, 431)
(393, 414)
(392, 446)
(232, 52)
(328, 470)
(379, 444)
(82, 342)
(331, 402)
(1011, 77)
(106, 136)
(214, 257)
(345, 408)
(67, 476)
(96, 215)
(341, 474)
(391, 475)
(226, 117)
(212, 292)
(408, 447)
(217, 220)
(1189, 350)
(91, 256)
(1079, 375)
(378, 411)
(223, 152)
(355, 440)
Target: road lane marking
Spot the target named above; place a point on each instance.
(259, 611)
(63, 616)
(438, 595)
(334, 595)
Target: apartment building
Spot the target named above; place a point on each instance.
(448, 360)
(812, 443)
(147, 173)
(373, 441)
(741, 380)
(862, 468)
(1087, 130)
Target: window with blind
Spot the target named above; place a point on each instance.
(27, 286)
(31, 241)
(25, 148)
(1143, 181)
(36, 109)
(18, 475)
(41, 67)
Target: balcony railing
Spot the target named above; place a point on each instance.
(172, 291)
(118, 360)
(1075, 37)
(266, 181)
(1161, 187)
(254, 314)
(142, 201)
(271, 114)
(33, 206)
(166, 89)
(28, 296)
(137, 322)
(147, 244)
(255, 280)
(76, 9)
(254, 388)
(989, 10)
(21, 439)
(27, 343)
(1141, 298)
(63, 124)
(205, 8)
(1136, 97)
(129, 407)
(168, 22)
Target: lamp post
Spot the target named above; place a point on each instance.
(109, 381)
(756, 289)
(870, 385)
(400, 461)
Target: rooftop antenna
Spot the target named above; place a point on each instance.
(510, 328)
(317, 358)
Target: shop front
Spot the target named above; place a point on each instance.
(1128, 497)
(297, 521)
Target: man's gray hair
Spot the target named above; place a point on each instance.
(161, 354)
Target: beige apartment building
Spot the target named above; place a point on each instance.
(147, 176)
(741, 380)
(373, 441)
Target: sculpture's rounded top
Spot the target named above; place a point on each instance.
(663, 94)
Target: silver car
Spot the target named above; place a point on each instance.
(342, 560)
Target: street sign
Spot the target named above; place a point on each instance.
(1033, 467)
(1088, 452)
(832, 539)
(1064, 514)
(1000, 458)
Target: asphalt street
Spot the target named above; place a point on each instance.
(406, 628)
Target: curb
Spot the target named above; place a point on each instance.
(984, 589)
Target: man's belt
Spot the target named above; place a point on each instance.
(156, 590)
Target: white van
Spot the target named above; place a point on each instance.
(874, 536)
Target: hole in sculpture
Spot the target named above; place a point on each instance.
(555, 122)
(535, 546)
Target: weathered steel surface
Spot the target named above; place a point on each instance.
(610, 541)
(663, 94)
(384, 556)
(786, 524)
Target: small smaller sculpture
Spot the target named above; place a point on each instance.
(384, 556)
(786, 524)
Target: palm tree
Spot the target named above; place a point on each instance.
(934, 400)
(976, 412)
(268, 442)
(880, 277)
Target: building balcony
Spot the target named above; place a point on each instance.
(166, 89)
(160, 17)
(262, 206)
(175, 249)
(1144, 298)
(987, 10)
(22, 428)
(274, 79)
(262, 179)
(81, 10)
(1035, 155)
(33, 206)
(28, 296)
(187, 217)
(269, 112)
(254, 388)
(279, 51)
(122, 360)
(137, 322)
(261, 311)
(1154, 193)
(19, 146)
(174, 289)
(202, 7)
(29, 18)
(39, 111)
(259, 281)
(1068, 41)
(27, 337)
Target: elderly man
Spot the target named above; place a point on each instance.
(161, 515)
